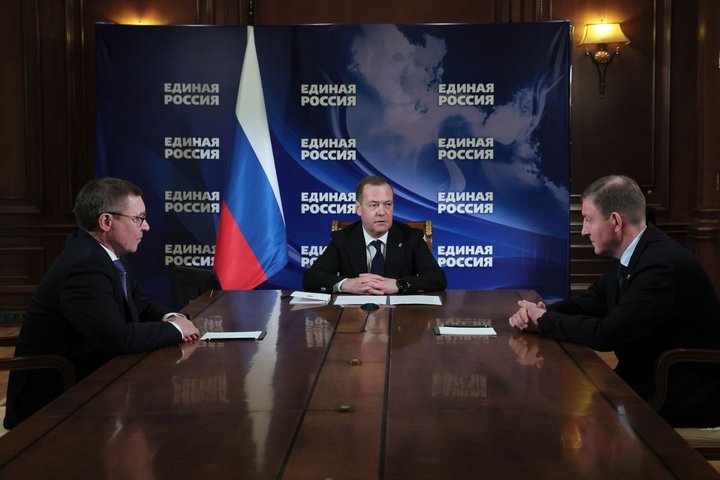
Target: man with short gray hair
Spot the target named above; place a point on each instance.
(655, 297)
(88, 308)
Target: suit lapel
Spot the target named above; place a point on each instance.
(130, 305)
(614, 293)
(639, 249)
(394, 253)
(358, 255)
(642, 244)
(130, 309)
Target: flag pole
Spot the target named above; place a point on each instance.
(251, 13)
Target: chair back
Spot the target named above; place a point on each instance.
(705, 440)
(191, 282)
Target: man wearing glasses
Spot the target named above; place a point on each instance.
(88, 307)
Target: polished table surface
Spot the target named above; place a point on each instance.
(341, 393)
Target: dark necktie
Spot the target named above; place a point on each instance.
(621, 277)
(122, 273)
(377, 265)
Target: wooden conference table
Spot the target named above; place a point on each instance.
(340, 393)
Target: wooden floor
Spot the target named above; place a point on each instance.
(5, 352)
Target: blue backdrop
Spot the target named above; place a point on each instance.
(470, 123)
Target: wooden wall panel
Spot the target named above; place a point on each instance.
(704, 235)
(281, 12)
(683, 127)
(20, 182)
(658, 120)
(35, 190)
(612, 133)
(22, 267)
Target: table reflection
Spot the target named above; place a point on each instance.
(129, 453)
(599, 440)
(527, 350)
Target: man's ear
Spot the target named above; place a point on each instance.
(105, 221)
(618, 220)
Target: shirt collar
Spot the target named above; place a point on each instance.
(628, 253)
(368, 238)
(113, 257)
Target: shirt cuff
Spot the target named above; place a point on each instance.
(337, 288)
(174, 314)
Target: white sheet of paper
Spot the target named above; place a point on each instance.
(306, 301)
(304, 306)
(299, 297)
(415, 300)
(360, 299)
(254, 335)
(488, 331)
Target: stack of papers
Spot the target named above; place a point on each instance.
(253, 335)
(309, 298)
(360, 299)
(464, 330)
(388, 299)
(414, 300)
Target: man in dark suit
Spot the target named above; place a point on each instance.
(354, 261)
(88, 307)
(655, 297)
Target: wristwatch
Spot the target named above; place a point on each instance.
(402, 285)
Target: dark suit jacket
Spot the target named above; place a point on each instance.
(79, 312)
(407, 257)
(667, 302)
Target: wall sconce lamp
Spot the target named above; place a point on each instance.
(601, 34)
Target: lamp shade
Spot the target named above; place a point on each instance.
(603, 33)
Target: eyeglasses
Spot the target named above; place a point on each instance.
(136, 220)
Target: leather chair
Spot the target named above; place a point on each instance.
(705, 440)
(191, 282)
(424, 226)
(32, 362)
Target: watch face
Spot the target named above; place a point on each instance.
(402, 285)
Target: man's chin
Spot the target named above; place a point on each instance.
(603, 253)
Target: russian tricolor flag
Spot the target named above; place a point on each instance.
(252, 241)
